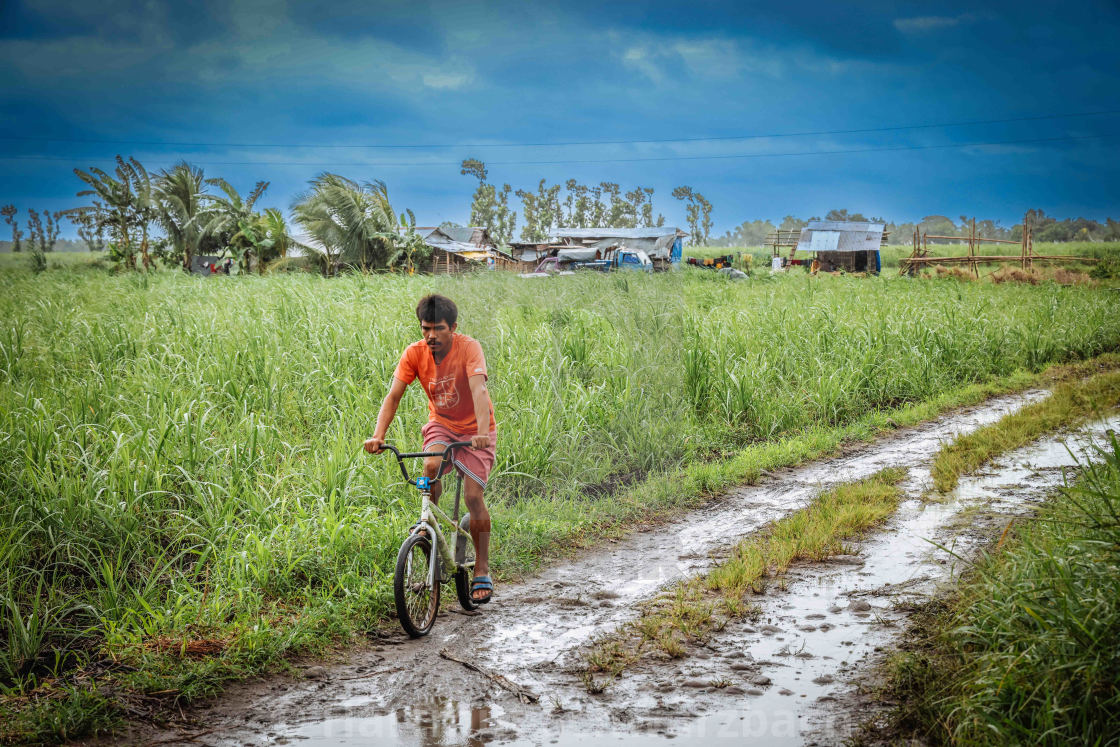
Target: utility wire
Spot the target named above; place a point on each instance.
(418, 164)
(723, 138)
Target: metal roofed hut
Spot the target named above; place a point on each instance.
(851, 246)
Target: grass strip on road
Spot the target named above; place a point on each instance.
(691, 611)
(1072, 402)
(1024, 650)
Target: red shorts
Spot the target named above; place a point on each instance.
(473, 463)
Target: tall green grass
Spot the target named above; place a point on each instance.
(1025, 652)
(180, 457)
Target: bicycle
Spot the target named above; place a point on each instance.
(419, 572)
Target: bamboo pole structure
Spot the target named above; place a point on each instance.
(973, 259)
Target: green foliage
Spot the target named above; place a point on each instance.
(9, 212)
(43, 230)
(490, 206)
(1025, 653)
(698, 213)
(38, 259)
(230, 219)
(544, 211)
(183, 214)
(1107, 268)
(351, 224)
(125, 205)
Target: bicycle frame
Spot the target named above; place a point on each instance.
(430, 513)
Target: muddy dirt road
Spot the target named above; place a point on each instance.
(774, 679)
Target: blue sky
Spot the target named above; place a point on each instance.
(221, 83)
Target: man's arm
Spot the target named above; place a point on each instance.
(480, 395)
(385, 415)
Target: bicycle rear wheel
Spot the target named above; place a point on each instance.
(417, 600)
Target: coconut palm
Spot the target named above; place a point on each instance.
(231, 219)
(275, 229)
(183, 214)
(349, 223)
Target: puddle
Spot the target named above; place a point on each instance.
(431, 722)
(772, 678)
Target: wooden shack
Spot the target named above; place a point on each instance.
(458, 249)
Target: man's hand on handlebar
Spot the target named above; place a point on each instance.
(373, 445)
(480, 441)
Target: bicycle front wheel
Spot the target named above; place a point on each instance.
(417, 600)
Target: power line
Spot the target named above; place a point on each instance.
(433, 146)
(419, 164)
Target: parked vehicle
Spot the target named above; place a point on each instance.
(632, 259)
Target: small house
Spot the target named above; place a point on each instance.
(851, 246)
(460, 248)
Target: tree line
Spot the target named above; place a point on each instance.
(1044, 228)
(550, 207)
(177, 214)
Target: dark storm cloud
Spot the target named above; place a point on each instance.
(427, 72)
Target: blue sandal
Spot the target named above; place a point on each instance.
(482, 583)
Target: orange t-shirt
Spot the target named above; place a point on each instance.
(447, 385)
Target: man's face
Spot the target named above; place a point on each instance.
(437, 335)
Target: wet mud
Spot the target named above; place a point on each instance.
(776, 678)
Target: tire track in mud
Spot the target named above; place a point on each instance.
(753, 679)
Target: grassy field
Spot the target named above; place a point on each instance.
(893, 254)
(185, 498)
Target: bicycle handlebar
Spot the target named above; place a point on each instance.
(416, 454)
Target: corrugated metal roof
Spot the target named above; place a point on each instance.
(844, 225)
(841, 236)
(464, 234)
(439, 240)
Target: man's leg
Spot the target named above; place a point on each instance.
(480, 529)
(431, 468)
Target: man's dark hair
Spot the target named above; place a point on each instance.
(436, 308)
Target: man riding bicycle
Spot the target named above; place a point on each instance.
(450, 367)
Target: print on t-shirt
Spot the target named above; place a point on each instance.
(444, 393)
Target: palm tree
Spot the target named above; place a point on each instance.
(127, 204)
(275, 229)
(145, 203)
(231, 218)
(350, 223)
(183, 214)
